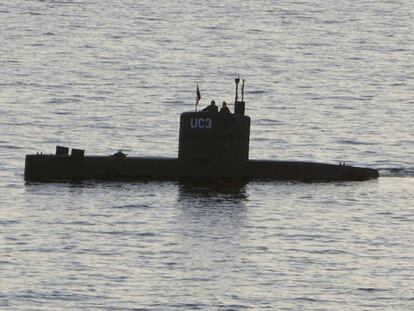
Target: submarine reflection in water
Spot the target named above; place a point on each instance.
(212, 145)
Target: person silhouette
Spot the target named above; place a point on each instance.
(211, 108)
(224, 108)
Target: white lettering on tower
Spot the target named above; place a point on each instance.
(201, 123)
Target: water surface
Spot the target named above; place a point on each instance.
(325, 82)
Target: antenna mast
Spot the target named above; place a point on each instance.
(242, 91)
(237, 80)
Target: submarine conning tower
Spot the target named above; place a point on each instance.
(215, 137)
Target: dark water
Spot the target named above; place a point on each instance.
(325, 81)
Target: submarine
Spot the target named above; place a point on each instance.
(212, 145)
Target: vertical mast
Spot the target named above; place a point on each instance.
(242, 91)
(237, 80)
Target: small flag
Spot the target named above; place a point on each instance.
(198, 97)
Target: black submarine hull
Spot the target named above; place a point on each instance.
(212, 145)
(46, 168)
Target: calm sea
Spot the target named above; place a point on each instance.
(326, 81)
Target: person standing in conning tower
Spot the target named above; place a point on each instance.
(211, 108)
(224, 108)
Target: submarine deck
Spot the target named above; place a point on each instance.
(66, 168)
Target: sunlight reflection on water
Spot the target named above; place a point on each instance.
(324, 82)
